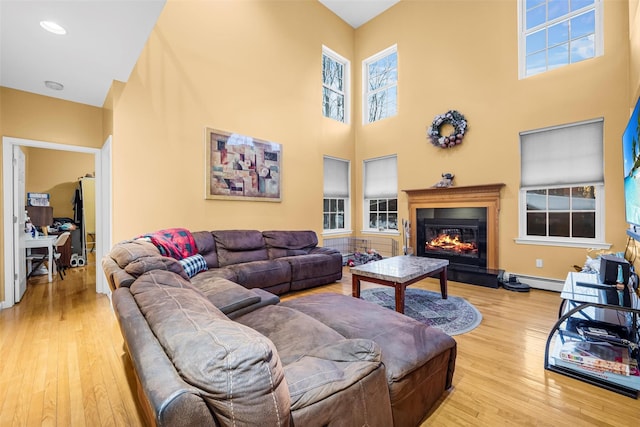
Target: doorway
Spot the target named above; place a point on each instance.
(102, 167)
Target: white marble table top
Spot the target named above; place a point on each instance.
(399, 269)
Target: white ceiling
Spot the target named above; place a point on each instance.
(103, 42)
(357, 12)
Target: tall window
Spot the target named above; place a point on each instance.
(381, 194)
(336, 195)
(554, 33)
(335, 85)
(380, 85)
(562, 185)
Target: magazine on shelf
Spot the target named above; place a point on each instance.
(631, 381)
(599, 355)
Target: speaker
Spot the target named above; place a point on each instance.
(74, 260)
(609, 269)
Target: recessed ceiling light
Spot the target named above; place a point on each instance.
(52, 27)
(54, 85)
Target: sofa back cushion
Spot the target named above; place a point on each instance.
(125, 252)
(237, 368)
(140, 266)
(206, 247)
(289, 243)
(239, 246)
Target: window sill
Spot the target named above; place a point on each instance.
(335, 232)
(382, 232)
(565, 243)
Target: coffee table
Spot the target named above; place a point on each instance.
(399, 272)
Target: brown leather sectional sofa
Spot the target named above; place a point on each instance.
(213, 352)
(276, 261)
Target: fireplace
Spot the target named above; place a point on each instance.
(441, 233)
(459, 224)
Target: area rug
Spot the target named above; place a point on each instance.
(454, 315)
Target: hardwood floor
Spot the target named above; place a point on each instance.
(62, 362)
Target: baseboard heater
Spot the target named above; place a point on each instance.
(543, 283)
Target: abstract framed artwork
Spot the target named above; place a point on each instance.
(241, 167)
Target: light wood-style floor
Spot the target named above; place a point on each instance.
(62, 363)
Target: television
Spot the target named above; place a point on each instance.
(631, 168)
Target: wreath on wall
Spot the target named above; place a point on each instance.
(455, 119)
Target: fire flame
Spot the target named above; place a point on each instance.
(446, 242)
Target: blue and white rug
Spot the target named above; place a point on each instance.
(454, 315)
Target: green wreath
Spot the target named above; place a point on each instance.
(455, 119)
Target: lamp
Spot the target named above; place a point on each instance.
(41, 216)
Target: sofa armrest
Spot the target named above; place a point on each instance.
(233, 299)
(171, 401)
(325, 251)
(116, 276)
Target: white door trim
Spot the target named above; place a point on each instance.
(102, 215)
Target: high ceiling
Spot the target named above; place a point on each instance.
(358, 12)
(103, 42)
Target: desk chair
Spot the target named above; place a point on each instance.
(60, 242)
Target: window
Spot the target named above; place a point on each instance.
(554, 33)
(336, 195)
(380, 85)
(381, 194)
(335, 85)
(562, 185)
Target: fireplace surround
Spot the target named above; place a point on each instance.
(459, 224)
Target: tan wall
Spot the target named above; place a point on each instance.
(35, 117)
(463, 55)
(250, 67)
(634, 51)
(57, 172)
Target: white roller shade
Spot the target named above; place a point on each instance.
(381, 178)
(565, 155)
(336, 178)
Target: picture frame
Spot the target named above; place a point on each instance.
(240, 167)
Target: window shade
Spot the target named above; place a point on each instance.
(565, 155)
(381, 178)
(336, 178)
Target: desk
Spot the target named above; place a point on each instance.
(399, 272)
(42, 242)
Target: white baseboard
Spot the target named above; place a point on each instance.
(539, 282)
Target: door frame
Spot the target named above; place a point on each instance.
(103, 203)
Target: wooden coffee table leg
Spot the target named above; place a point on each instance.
(399, 297)
(355, 286)
(443, 282)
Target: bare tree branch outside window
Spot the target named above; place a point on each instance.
(382, 87)
(333, 88)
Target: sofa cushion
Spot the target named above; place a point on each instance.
(311, 266)
(193, 265)
(319, 362)
(212, 274)
(206, 247)
(148, 263)
(237, 368)
(262, 274)
(239, 246)
(125, 252)
(288, 243)
(226, 295)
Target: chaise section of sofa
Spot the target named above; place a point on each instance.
(419, 361)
